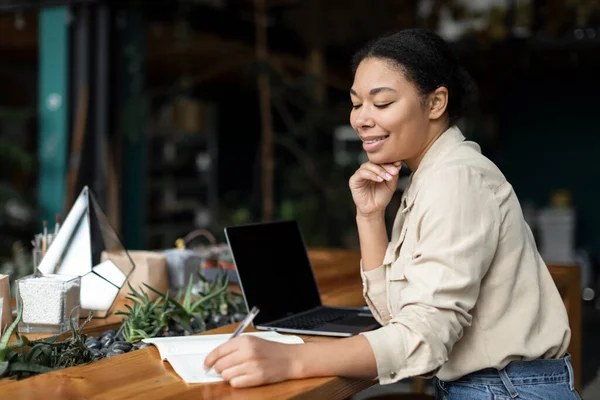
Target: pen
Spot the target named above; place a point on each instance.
(243, 325)
(57, 224)
(45, 239)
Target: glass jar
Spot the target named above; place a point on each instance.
(50, 303)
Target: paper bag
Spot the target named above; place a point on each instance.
(150, 268)
(6, 314)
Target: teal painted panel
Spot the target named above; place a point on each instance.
(53, 106)
(132, 117)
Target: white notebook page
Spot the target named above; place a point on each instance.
(186, 354)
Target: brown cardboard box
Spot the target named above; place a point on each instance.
(6, 317)
(150, 268)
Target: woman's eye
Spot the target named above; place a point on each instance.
(383, 105)
(356, 106)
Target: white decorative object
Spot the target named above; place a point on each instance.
(49, 303)
(84, 247)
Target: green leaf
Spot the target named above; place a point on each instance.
(207, 298)
(88, 319)
(134, 292)
(141, 333)
(185, 325)
(156, 303)
(156, 331)
(50, 339)
(178, 307)
(19, 366)
(146, 298)
(188, 293)
(201, 277)
(135, 300)
(21, 344)
(35, 350)
(8, 333)
(128, 307)
(165, 302)
(158, 292)
(213, 285)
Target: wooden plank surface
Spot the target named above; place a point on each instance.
(141, 374)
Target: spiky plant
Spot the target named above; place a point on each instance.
(144, 318)
(30, 357)
(187, 312)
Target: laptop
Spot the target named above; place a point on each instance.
(275, 275)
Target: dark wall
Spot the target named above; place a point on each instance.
(550, 139)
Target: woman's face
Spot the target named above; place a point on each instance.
(387, 113)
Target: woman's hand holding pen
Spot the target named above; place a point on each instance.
(250, 361)
(373, 186)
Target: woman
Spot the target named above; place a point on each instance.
(461, 291)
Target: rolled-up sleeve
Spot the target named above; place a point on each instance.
(457, 220)
(375, 293)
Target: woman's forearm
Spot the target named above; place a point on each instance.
(351, 357)
(373, 240)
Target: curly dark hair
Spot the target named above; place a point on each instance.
(428, 62)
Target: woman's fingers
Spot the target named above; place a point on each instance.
(392, 168)
(228, 361)
(234, 371)
(218, 353)
(385, 171)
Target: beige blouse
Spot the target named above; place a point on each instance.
(462, 286)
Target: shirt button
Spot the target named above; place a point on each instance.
(392, 375)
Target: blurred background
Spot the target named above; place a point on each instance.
(198, 114)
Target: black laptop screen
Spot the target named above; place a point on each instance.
(274, 269)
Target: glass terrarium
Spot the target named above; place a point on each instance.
(49, 304)
(87, 246)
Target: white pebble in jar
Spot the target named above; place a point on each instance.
(49, 300)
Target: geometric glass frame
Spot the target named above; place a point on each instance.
(86, 245)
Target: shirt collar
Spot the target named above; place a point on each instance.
(443, 144)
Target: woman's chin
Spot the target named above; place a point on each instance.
(381, 158)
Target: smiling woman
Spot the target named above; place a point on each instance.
(403, 84)
(461, 257)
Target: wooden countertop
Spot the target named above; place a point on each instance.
(141, 374)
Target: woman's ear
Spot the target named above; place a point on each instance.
(438, 102)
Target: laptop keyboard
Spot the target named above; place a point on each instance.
(314, 319)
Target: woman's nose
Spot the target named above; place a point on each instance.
(363, 118)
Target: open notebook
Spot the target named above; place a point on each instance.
(186, 354)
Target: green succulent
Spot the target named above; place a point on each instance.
(144, 318)
(147, 318)
(30, 357)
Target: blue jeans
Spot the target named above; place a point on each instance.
(523, 380)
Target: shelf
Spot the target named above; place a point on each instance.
(175, 179)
